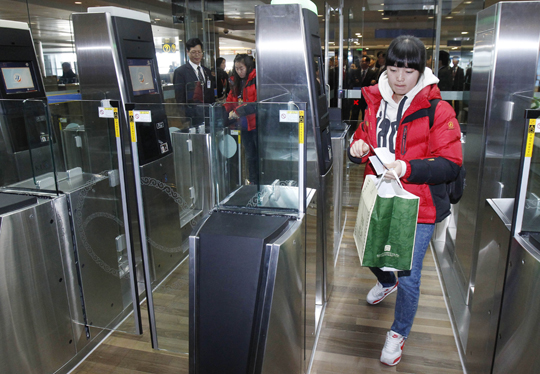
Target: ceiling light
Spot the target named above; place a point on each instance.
(430, 17)
(251, 21)
(157, 19)
(464, 32)
(380, 10)
(449, 17)
(385, 18)
(468, 2)
(78, 2)
(455, 48)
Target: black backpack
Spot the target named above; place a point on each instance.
(455, 188)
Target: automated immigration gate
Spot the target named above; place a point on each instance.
(254, 272)
(127, 71)
(296, 72)
(40, 293)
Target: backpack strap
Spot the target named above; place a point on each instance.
(431, 110)
(426, 112)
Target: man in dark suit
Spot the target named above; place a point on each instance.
(193, 83)
(458, 76)
(364, 76)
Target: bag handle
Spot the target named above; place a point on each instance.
(395, 175)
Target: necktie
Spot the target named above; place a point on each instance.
(363, 74)
(199, 74)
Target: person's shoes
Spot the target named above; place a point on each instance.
(379, 292)
(393, 347)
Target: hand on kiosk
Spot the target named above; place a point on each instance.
(359, 149)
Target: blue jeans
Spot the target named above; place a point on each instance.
(409, 282)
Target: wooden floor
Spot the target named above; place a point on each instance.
(352, 335)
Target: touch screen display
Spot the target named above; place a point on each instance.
(142, 77)
(18, 77)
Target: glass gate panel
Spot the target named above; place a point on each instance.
(170, 144)
(89, 172)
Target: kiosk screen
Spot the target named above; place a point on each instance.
(143, 77)
(18, 77)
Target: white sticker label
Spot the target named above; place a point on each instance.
(106, 112)
(289, 116)
(142, 116)
(234, 132)
(537, 125)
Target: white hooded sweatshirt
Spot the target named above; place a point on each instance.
(390, 113)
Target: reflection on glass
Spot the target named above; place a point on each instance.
(27, 145)
(275, 187)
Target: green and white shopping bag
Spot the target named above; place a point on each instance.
(385, 227)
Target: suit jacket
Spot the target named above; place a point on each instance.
(445, 78)
(459, 78)
(188, 89)
(368, 77)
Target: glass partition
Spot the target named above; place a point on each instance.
(175, 190)
(260, 156)
(89, 174)
(28, 147)
(70, 150)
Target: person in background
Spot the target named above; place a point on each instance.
(458, 82)
(364, 77)
(427, 157)
(68, 75)
(445, 73)
(222, 80)
(381, 61)
(193, 84)
(244, 91)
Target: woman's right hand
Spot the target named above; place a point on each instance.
(359, 148)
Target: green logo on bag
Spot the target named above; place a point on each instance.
(387, 253)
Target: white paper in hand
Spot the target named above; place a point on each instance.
(382, 156)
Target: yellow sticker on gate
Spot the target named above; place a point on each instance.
(132, 128)
(301, 134)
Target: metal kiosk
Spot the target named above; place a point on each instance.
(260, 268)
(40, 302)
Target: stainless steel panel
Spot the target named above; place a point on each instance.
(312, 316)
(519, 328)
(494, 135)
(284, 303)
(492, 259)
(37, 334)
(167, 236)
(328, 254)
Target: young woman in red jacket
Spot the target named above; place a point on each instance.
(243, 91)
(427, 157)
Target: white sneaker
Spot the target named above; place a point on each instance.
(379, 292)
(393, 347)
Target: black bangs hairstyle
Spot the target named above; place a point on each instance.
(407, 51)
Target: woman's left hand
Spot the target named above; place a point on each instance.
(396, 166)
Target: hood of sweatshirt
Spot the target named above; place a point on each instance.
(395, 110)
(390, 113)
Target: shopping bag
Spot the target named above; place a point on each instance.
(385, 227)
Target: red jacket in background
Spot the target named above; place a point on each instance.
(433, 156)
(249, 95)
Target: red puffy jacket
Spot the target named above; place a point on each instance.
(249, 95)
(433, 156)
